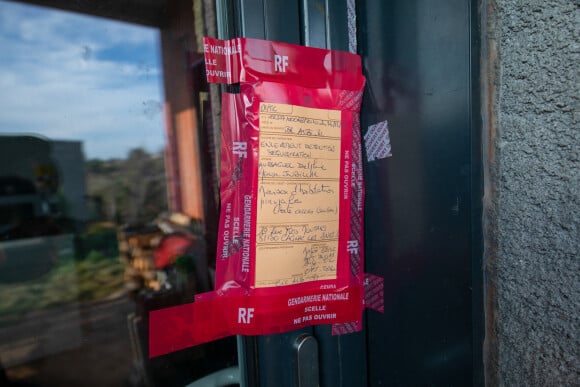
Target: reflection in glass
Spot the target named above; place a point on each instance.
(88, 245)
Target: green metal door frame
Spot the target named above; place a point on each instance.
(357, 359)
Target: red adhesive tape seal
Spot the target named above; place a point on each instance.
(290, 247)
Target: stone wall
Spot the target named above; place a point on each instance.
(530, 64)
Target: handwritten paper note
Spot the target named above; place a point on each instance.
(298, 194)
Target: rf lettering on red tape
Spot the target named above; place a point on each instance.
(290, 245)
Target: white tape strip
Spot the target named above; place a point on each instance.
(351, 14)
(378, 141)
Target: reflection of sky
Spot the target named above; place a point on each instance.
(74, 77)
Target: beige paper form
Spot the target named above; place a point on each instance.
(298, 194)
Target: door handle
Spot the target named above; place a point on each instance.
(226, 377)
(307, 370)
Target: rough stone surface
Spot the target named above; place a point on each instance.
(532, 253)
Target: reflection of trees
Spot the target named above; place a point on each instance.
(127, 190)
